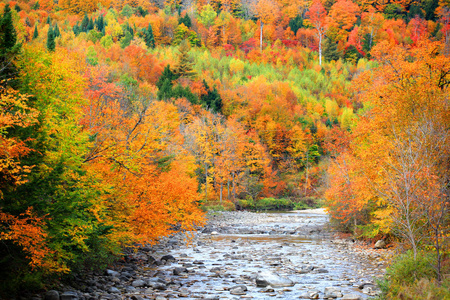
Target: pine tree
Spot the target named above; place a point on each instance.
(36, 33)
(330, 50)
(212, 99)
(49, 22)
(85, 24)
(56, 32)
(90, 25)
(186, 20)
(51, 40)
(149, 38)
(166, 74)
(8, 47)
(8, 35)
(100, 24)
(184, 64)
(17, 8)
(165, 89)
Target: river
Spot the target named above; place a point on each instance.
(244, 255)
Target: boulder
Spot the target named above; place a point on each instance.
(380, 244)
(179, 270)
(138, 283)
(332, 292)
(266, 278)
(351, 297)
(238, 290)
(168, 258)
(68, 296)
(51, 295)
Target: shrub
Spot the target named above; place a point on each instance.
(409, 278)
(267, 204)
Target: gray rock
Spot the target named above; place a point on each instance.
(266, 278)
(168, 258)
(112, 273)
(305, 269)
(51, 295)
(139, 283)
(113, 290)
(179, 270)
(351, 297)
(332, 292)
(214, 233)
(380, 244)
(68, 296)
(322, 271)
(313, 294)
(238, 290)
(136, 297)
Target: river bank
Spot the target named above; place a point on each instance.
(241, 255)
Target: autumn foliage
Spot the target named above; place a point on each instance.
(120, 121)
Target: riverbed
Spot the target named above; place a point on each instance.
(244, 255)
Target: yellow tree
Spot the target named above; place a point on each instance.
(267, 12)
(403, 140)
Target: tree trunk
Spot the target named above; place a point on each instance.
(261, 36)
(206, 182)
(221, 189)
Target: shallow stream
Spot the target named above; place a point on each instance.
(235, 247)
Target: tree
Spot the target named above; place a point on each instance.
(9, 48)
(400, 151)
(184, 63)
(149, 38)
(317, 15)
(207, 16)
(36, 33)
(342, 18)
(56, 32)
(50, 40)
(267, 12)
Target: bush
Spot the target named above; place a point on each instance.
(408, 278)
(267, 204)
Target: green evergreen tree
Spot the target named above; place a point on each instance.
(9, 48)
(330, 50)
(165, 89)
(180, 92)
(212, 99)
(49, 21)
(186, 20)
(17, 8)
(367, 44)
(430, 9)
(100, 23)
(51, 40)
(56, 32)
(76, 29)
(184, 63)
(90, 25)
(84, 24)
(414, 11)
(142, 12)
(36, 33)
(149, 38)
(167, 74)
(296, 23)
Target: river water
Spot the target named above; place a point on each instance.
(223, 261)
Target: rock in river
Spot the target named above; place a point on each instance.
(266, 278)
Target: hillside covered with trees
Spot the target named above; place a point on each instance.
(122, 121)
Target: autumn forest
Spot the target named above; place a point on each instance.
(124, 121)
